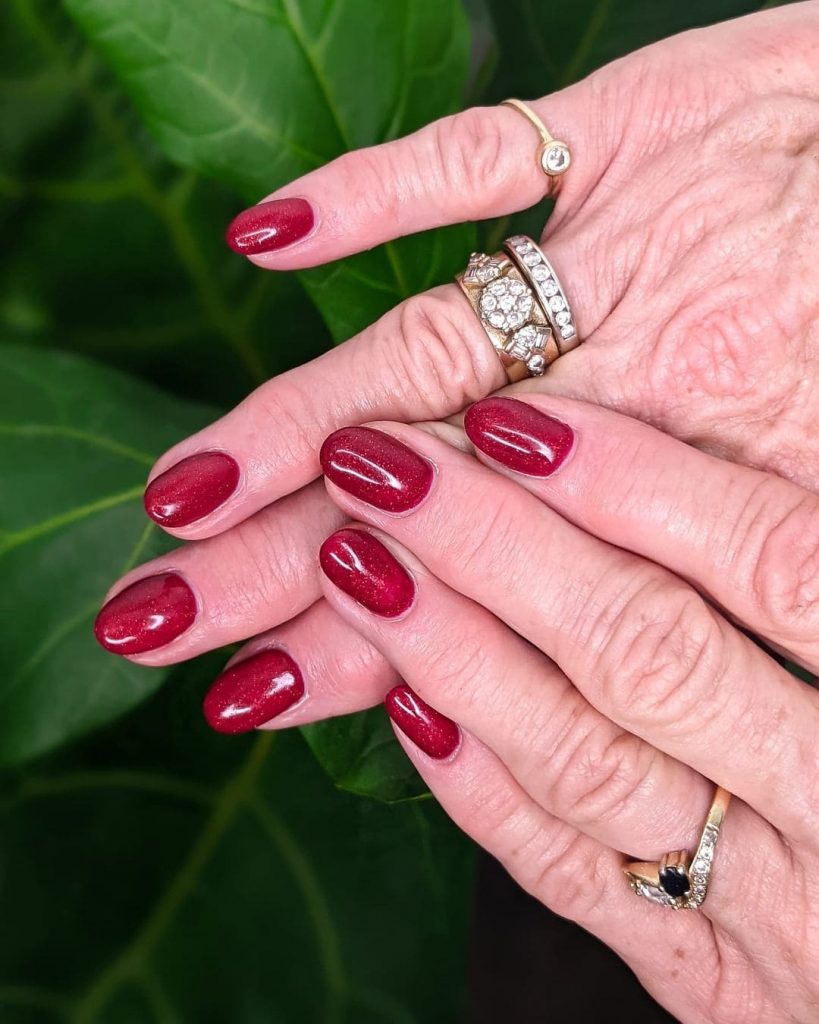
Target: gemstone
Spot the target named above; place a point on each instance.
(540, 273)
(506, 304)
(550, 287)
(563, 317)
(536, 365)
(522, 247)
(674, 882)
(555, 158)
(526, 342)
(556, 303)
(531, 259)
(567, 331)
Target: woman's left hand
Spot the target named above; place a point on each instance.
(598, 697)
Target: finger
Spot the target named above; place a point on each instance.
(425, 359)
(750, 540)
(566, 755)
(315, 666)
(641, 645)
(570, 873)
(204, 595)
(477, 164)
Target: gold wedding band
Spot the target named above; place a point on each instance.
(553, 156)
(680, 880)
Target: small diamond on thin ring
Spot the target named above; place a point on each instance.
(555, 158)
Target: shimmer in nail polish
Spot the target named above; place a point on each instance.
(518, 436)
(376, 468)
(148, 614)
(192, 489)
(268, 227)
(253, 692)
(437, 735)
(364, 569)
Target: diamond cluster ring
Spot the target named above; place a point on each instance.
(521, 306)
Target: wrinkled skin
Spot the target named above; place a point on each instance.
(685, 235)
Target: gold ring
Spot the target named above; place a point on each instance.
(510, 313)
(553, 156)
(680, 880)
(539, 272)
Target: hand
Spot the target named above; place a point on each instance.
(687, 155)
(594, 691)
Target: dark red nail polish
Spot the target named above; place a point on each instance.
(271, 226)
(148, 614)
(252, 692)
(518, 436)
(376, 468)
(191, 489)
(428, 729)
(362, 567)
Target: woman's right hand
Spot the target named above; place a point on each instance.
(684, 233)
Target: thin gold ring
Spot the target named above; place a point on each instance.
(553, 156)
(680, 880)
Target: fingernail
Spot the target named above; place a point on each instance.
(518, 436)
(253, 692)
(376, 468)
(364, 569)
(148, 614)
(191, 489)
(437, 735)
(268, 227)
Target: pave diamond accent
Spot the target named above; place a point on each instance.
(506, 304)
(528, 345)
(482, 269)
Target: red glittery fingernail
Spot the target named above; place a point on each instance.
(437, 735)
(362, 567)
(148, 614)
(253, 692)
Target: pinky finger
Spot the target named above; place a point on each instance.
(567, 871)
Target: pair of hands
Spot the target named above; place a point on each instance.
(684, 233)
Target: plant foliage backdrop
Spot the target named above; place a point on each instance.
(149, 870)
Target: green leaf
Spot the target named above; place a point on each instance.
(159, 872)
(256, 93)
(76, 443)
(361, 755)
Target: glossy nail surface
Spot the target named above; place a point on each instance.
(271, 226)
(191, 489)
(253, 692)
(518, 436)
(437, 735)
(148, 614)
(376, 468)
(364, 569)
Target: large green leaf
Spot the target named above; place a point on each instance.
(118, 254)
(76, 443)
(256, 93)
(160, 872)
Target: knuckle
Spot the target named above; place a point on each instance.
(470, 150)
(375, 176)
(492, 813)
(436, 353)
(567, 875)
(659, 655)
(600, 775)
(780, 556)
